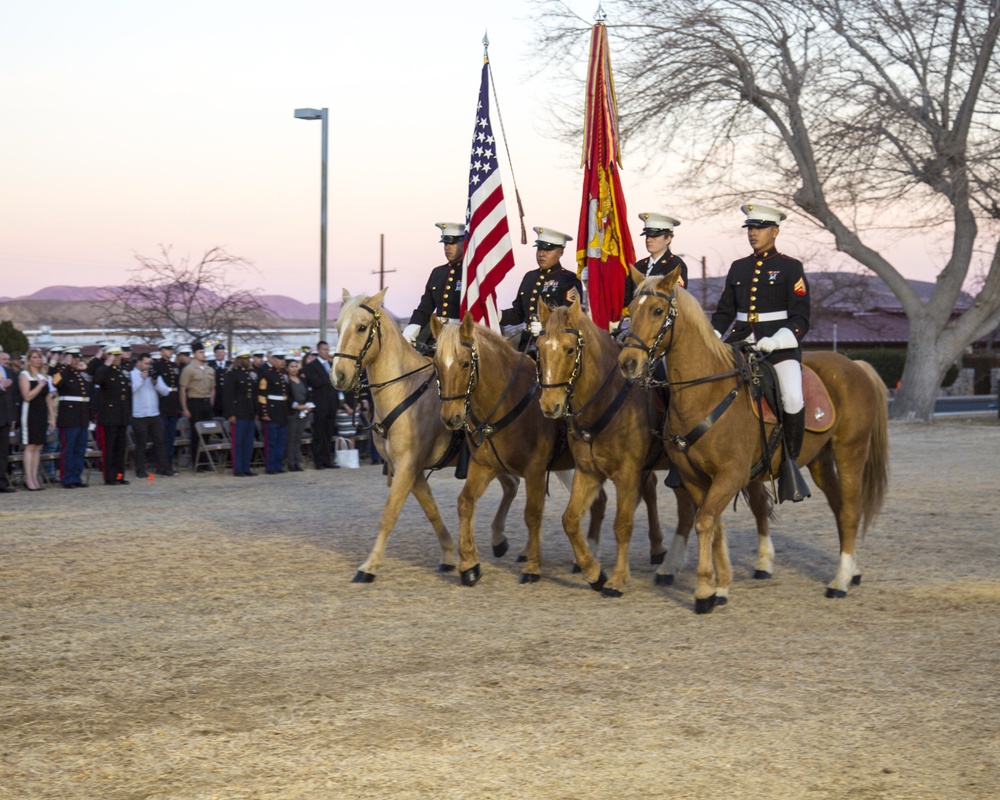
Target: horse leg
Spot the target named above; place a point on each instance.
(843, 492)
(708, 524)
(585, 489)
(509, 484)
(475, 484)
(534, 488)
(598, 511)
(398, 492)
(627, 493)
(656, 548)
(672, 564)
(422, 491)
(760, 505)
(723, 566)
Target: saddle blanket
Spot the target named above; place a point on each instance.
(820, 414)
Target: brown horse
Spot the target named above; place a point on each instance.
(611, 429)
(490, 390)
(407, 431)
(714, 438)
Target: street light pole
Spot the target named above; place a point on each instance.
(320, 114)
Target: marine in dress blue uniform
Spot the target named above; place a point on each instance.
(766, 300)
(443, 292)
(239, 396)
(114, 412)
(170, 403)
(73, 386)
(272, 404)
(549, 284)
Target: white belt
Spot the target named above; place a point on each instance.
(767, 316)
(75, 399)
(275, 397)
(173, 388)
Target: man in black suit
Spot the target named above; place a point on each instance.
(317, 374)
(8, 386)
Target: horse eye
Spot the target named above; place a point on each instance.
(362, 328)
(465, 365)
(570, 351)
(657, 312)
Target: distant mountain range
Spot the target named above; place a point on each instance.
(74, 307)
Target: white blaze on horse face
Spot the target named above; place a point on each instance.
(447, 359)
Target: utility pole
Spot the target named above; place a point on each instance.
(704, 283)
(381, 262)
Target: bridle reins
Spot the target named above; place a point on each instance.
(381, 428)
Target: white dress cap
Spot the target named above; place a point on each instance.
(760, 215)
(548, 238)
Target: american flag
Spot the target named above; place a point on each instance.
(488, 252)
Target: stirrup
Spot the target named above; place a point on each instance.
(791, 485)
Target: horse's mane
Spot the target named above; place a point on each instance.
(348, 306)
(451, 338)
(690, 313)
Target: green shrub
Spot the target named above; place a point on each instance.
(12, 340)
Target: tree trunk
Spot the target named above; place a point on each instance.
(925, 369)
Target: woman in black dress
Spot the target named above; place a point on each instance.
(38, 415)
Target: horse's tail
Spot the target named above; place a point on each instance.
(875, 482)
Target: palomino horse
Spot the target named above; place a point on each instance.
(715, 440)
(407, 430)
(489, 389)
(611, 432)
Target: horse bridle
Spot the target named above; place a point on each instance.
(376, 328)
(667, 325)
(486, 429)
(570, 384)
(381, 428)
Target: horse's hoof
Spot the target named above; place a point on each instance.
(598, 585)
(607, 591)
(500, 550)
(471, 576)
(836, 593)
(656, 558)
(761, 575)
(721, 600)
(446, 567)
(856, 580)
(703, 605)
(362, 577)
(529, 577)
(576, 569)
(663, 580)
(522, 558)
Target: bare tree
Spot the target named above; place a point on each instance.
(175, 294)
(863, 114)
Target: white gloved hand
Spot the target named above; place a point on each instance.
(783, 339)
(584, 273)
(535, 327)
(410, 333)
(717, 333)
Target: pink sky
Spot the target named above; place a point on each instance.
(127, 126)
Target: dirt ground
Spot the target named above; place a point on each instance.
(200, 637)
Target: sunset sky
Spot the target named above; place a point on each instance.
(129, 125)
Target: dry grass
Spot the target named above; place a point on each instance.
(200, 638)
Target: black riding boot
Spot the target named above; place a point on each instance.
(673, 479)
(791, 485)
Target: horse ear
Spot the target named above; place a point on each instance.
(543, 312)
(669, 281)
(436, 326)
(574, 311)
(466, 327)
(346, 295)
(637, 277)
(376, 299)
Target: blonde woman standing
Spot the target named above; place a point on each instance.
(38, 415)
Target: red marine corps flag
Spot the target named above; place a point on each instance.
(488, 252)
(606, 250)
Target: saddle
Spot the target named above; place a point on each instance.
(820, 414)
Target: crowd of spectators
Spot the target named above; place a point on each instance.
(61, 411)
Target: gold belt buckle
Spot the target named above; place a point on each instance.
(752, 317)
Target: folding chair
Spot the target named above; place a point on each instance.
(55, 456)
(182, 441)
(15, 459)
(213, 438)
(258, 459)
(92, 455)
